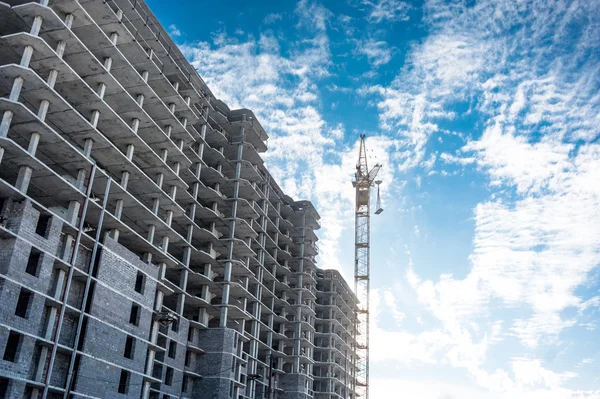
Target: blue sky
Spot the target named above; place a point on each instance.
(485, 115)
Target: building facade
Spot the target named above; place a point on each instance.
(145, 250)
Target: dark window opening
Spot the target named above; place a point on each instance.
(185, 384)
(190, 334)
(169, 376)
(75, 371)
(129, 347)
(3, 386)
(134, 316)
(23, 303)
(33, 262)
(12, 346)
(124, 382)
(97, 262)
(88, 304)
(172, 349)
(188, 359)
(175, 325)
(139, 282)
(42, 225)
(84, 325)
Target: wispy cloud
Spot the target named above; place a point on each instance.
(386, 10)
(272, 18)
(525, 70)
(378, 52)
(174, 31)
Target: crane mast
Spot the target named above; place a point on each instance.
(363, 181)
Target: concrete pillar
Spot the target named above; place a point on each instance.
(5, 124)
(130, 149)
(15, 91)
(135, 124)
(114, 234)
(60, 48)
(183, 285)
(52, 75)
(73, 212)
(23, 179)
(43, 110)
(33, 143)
(81, 179)
(228, 264)
(192, 214)
(124, 179)
(168, 129)
(101, 90)
(108, 63)
(36, 25)
(87, 149)
(119, 208)
(94, 118)
(69, 20)
(196, 170)
(26, 57)
(155, 205)
(151, 230)
(147, 257)
(66, 255)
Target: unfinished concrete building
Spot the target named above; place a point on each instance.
(145, 250)
(335, 309)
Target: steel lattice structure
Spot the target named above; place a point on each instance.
(364, 180)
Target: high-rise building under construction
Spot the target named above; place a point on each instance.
(145, 250)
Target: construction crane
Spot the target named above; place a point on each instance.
(363, 181)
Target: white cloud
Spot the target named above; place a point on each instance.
(530, 373)
(590, 303)
(174, 31)
(512, 159)
(386, 10)
(377, 52)
(272, 18)
(522, 69)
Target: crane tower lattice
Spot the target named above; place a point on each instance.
(363, 181)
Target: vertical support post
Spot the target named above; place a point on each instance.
(65, 293)
(86, 292)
